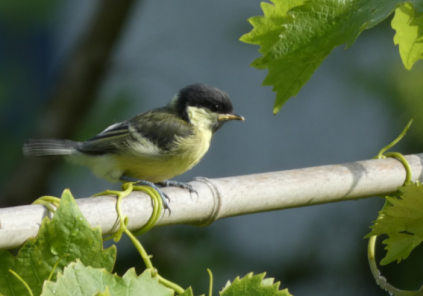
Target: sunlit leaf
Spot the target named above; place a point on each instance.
(64, 239)
(295, 37)
(79, 280)
(253, 285)
(402, 221)
(409, 34)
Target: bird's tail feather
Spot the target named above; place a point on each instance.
(43, 147)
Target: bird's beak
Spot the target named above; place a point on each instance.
(224, 117)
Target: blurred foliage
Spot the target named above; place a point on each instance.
(27, 79)
(408, 98)
(24, 13)
(403, 91)
(25, 75)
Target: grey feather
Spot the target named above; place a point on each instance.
(44, 147)
(110, 140)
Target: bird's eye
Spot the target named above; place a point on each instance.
(215, 108)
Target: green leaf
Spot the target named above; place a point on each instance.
(105, 293)
(64, 239)
(402, 221)
(79, 280)
(399, 246)
(27, 13)
(187, 292)
(253, 285)
(409, 34)
(295, 38)
(267, 28)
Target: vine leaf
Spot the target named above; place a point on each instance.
(80, 280)
(188, 292)
(409, 34)
(402, 220)
(296, 36)
(105, 293)
(253, 285)
(63, 239)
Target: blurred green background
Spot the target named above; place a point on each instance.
(357, 102)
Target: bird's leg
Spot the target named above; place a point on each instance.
(163, 195)
(186, 186)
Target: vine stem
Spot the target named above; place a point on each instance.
(171, 285)
(46, 201)
(381, 280)
(394, 142)
(157, 210)
(371, 251)
(211, 282)
(22, 281)
(140, 249)
(55, 266)
(405, 163)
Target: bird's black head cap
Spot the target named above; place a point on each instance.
(203, 96)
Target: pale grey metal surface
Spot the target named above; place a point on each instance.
(227, 197)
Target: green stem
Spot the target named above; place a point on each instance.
(127, 187)
(211, 282)
(157, 210)
(404, 162)
(55, 266)
(380, 154)
(141, 250)
(170, 285)
(46, 201)
(22, 281)
(380, 280)
(46, 204)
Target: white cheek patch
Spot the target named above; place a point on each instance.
(202, 118)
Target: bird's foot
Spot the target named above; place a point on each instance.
(171, 183)
(163, 195)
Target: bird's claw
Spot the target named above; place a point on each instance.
(171, 183)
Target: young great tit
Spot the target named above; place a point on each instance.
(151, 147)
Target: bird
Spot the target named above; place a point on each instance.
(152, 147)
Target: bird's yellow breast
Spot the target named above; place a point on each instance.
(187, 152)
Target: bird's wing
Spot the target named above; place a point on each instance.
(157, 127)
(161, 127)
(108, 141)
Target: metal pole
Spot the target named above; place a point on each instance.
(227, 197)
